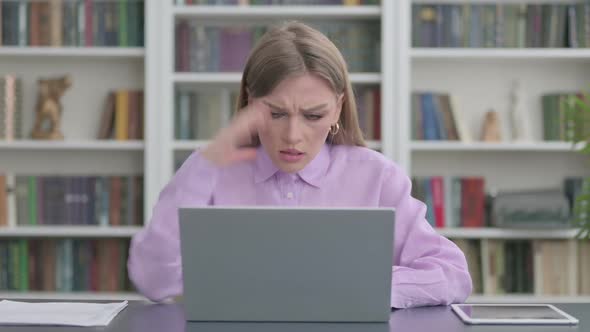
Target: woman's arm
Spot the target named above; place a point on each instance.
(154, 256)
(428, 269)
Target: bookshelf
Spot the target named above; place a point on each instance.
(97, 66)
(480, 79)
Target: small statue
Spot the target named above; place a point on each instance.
(491, 127)
(519, 128)
(48, 110)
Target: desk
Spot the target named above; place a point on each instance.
(144, 317)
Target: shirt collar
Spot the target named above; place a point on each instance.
(313, 173)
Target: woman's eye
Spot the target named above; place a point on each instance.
(313, 117)
(276, 115)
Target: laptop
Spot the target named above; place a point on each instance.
(289, 265)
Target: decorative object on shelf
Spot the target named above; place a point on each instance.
(532, 209)
(48, 110)
(519, 128)
(491, 127)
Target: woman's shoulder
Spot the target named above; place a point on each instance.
(359, 155)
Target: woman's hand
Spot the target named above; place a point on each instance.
(231, 144)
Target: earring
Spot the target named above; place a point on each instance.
(334, 129)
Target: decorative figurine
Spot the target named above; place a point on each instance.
(519, 128)
(491, 127)
(48, 110)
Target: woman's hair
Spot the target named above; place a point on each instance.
(294, 49)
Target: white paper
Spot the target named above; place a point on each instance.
(58, 313)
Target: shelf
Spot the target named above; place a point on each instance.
(234, 78)
(527, 298)
(432, 146)
(71, 296)
(89, 231)
(506, 233)
(188, 145)
(262, 12)
(94, 145)
(74, 52)
(500, 54)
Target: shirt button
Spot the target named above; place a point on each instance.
(290, 195)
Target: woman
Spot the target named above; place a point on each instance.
(296, 142)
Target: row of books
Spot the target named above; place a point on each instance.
(73, 23)
(278, 2)
(540, 267)
(123, 116)
(563, 119)
(11, 108)
(71, 200)
(463, 202)
(501, 25)
(64, 265)
(200, 114)
(435, 117)
(452, 201)
(213, 49)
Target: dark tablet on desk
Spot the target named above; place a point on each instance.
(512, 314)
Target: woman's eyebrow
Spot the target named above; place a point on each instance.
(314, 108)
(274, 106)
(309, 109)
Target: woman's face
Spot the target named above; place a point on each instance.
(298, 115)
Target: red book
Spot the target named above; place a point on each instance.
(438, 201)
(472, 202)
(94, 271)
(34, 19)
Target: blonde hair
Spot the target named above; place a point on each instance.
(294, 49)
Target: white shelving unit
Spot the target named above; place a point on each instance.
(73, 296)
(71, 145)
(95, 71)
(504, 233)
(500, 54)
(69, 231)
(480, 79)
(73, 52)
(426, 146)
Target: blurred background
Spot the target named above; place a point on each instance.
(485, 104)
